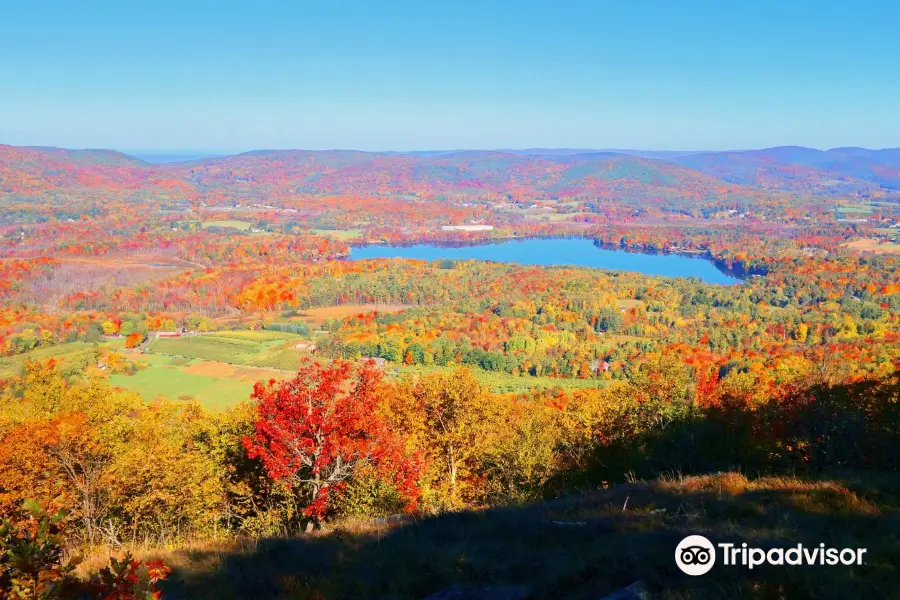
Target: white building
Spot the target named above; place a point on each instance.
(466, 227)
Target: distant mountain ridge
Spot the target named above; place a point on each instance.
(790, 167)
(536, 172)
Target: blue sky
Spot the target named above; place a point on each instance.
(426, 74)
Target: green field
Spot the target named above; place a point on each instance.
(235, 347)
(338, 234)
(254, 336)
(229, 361)
(853, 209)
(75, 357)
(241, 225)
(218, 369)
(174, 383)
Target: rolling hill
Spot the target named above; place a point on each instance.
(537, 173)
(802, 169)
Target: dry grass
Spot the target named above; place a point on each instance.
(131, 261)
(811, 496)
(201, 556)
(582, 546)
(317, 316)
(873, 246)
(220, 370)
(826, 497)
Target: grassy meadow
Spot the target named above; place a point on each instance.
(173, 382)
(339, 234)
(219, 369)
(238, 347)
(232, 224)
(74, 356)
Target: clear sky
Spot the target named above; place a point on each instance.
(426, 74)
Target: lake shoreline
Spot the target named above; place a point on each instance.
(511, 249)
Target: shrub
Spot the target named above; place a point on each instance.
(32, 545)
(32, 564)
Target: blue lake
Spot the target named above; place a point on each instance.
(558, 251)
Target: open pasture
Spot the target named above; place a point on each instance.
(216, 385)
(231, 224)
(338, 234)
(73, 357)
(236, 347)
(873, 246)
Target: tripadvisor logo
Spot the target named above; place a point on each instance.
(696, 555)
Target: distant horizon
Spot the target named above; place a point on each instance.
(536, 150)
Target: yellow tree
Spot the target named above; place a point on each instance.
(449, 417)
(523, 455)
(166, 485)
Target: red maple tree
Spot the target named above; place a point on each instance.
(314, 431)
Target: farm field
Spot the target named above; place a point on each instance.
(219, 369)
(873, 246)
(233, 224)
(853, 209)
(176, 383)
(74, 356)
(317, 316)
(216, 385)
(236, 347)
(339, 234)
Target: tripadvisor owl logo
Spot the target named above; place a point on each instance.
(695, 555)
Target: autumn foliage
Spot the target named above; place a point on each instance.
(497, 383)
(35, 563)
(315, 431)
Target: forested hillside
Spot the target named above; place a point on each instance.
(29, 171)
(196, 370)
